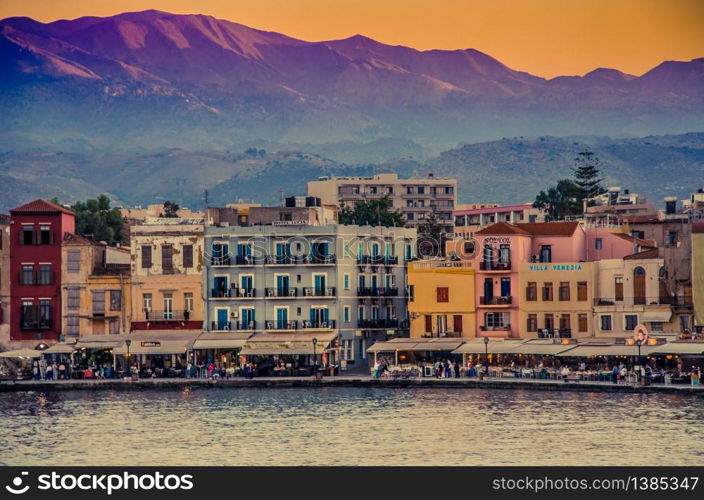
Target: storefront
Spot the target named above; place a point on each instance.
(414, 352)
(157, 353)
(221, 349)
(271, 354)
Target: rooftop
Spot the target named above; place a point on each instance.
(40, 207)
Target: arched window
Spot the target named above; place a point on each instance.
(639, 285)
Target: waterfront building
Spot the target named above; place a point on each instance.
(288, 281)
(620, 202)
(470, 219)
(95, 289)
(698, 275)
(631, 291)
(415, 198)
(36, 232)
(4, 280)
(167, 274)
(441, 300)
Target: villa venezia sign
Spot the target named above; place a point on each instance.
(555, 267)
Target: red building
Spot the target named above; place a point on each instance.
(36, 232)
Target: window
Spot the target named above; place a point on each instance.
(606, 323)
(360, 313)
(443, 294)
(656, 326)
(504, 254)
(582, 291)
(346, 314)
(547, 290)
(409, 216)
(598, 243)
(72, 324)
(672, 238)
(167, 258)
(188, 301)
(428, 324)
(113, 327)
(28, 275)
(532, 291)
(98, 302)
(441, 320)
(27, 237)
(168, 306)
(115, 300)
(45, 275)
(411, 292)
(638, 234)
(564, 290)
(565, 322)
(496, 320)
(549, 322)
(45, 236)
(545, 253)
(346, 281)
(618, 287)
(631, 321)
(187, 256)
(146, 256)
(73, 264)
(532, 325)
(44, 314)
(582, 322)
(146, 302)
(457, 323)
(73, 298)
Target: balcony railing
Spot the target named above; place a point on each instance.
(548, 333)
(221, 261)
(377, 292)
(318, 292)
(318, 324)
(184, 315)
(494, 266)
(495, 301)
(646, 301)
(377, 260)
(233, 325)
(281, 292)
(278, 325)
(36, 318)
(380, 323)
(486, 328)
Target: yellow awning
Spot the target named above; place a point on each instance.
(583, 350)
(21, 353)
(493, 347)
(232, 340)
(542, 348)
(679, 348)
(60, 348)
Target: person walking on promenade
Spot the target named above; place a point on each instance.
(614, 374)
(696, 376)
(448, 370)
(211, 369)
(457, 370)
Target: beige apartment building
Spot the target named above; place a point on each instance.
(167, 274)
(415, 198)
(4, 280)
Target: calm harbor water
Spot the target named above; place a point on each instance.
(349, 426)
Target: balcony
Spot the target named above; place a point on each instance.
(330, 324)
(551, 333)
(377, 260)
(377, 292)
(233, 325)
(505, 328)
(225, 293)
(36, 318)
(278, 325)
(495, 266)
(495, 301)
(380, 323)
(167, 315)
(220, 261)
(281, 292)
(319, 292)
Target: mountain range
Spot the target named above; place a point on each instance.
(153, 80)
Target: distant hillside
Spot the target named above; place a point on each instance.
(505, 171)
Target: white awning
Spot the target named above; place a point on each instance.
(680, 348)
(232, 340)
(542, 347)
(662, 316)
(60, 348)
(494, 346)
(582, 351)
(21, 353)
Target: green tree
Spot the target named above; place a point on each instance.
(586, 176)
(560, 200)
(95, 219)
(372, 213)
(431, 237)
(170, 209)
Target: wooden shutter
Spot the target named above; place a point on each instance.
(146, 256)
(457, 323)
(187, 255)
(428, 323)
(443, 294)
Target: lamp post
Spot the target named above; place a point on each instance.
(128, 342)
(315, 358)
(486, 354)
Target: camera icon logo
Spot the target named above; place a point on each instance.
(16, 488)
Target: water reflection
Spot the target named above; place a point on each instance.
(349, 426)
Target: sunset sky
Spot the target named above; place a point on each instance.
(543, 37)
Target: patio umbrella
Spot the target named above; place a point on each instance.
(21, 353)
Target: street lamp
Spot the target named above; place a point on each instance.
(315, 359)
(486, 354)
(127, 343)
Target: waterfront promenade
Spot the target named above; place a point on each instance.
(346, 381)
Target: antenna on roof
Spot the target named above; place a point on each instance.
(205, 193)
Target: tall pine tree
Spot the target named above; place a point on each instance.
(586, 176)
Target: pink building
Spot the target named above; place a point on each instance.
(500, 248)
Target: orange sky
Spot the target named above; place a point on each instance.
(543, 37)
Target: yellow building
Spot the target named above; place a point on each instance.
(441, 302)
(698, 272)
(95, 287)
(556, 299)
(167, 274)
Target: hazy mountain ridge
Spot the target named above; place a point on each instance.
(510, 170)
